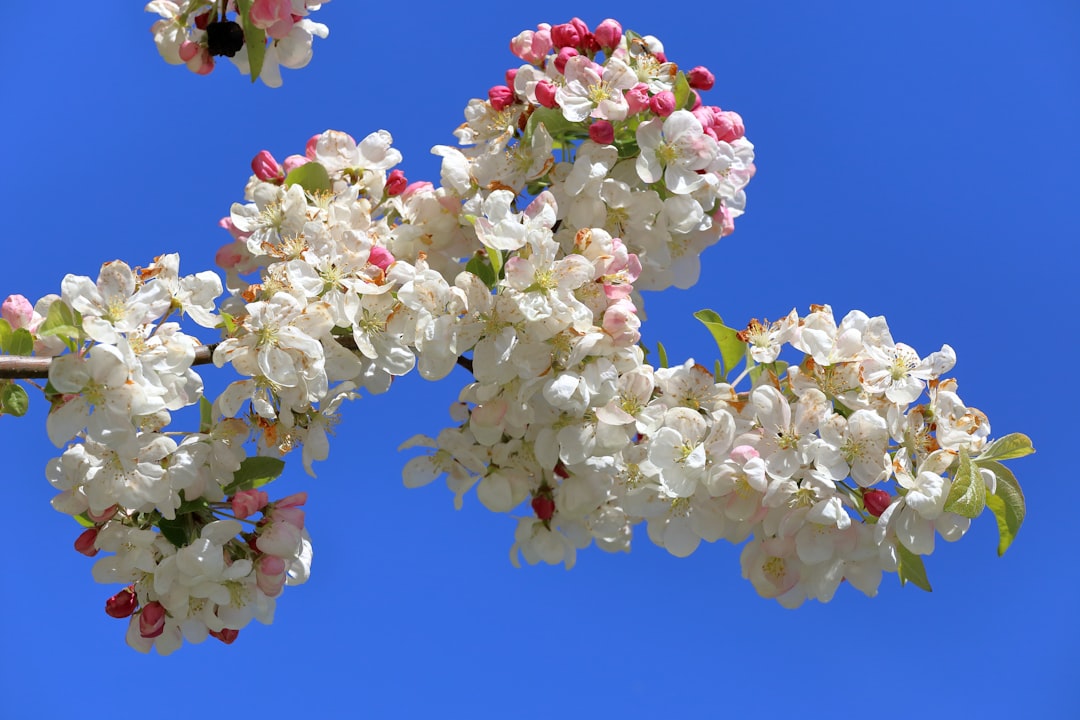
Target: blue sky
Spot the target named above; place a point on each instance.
(915, 160)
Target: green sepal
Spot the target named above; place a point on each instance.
(228, 322)
(311, 176)
(732, 349)
(85, 521)
(1006, 502)
(13, 399)
(911, 569)
(255, 472)
(967, 496)
(684, 99)
(254, 38)
(206, 419)
(661, 354)
(1011, 446)
(480, 266)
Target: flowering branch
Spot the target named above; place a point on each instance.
(836, 453)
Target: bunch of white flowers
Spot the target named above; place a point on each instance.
(521, 268)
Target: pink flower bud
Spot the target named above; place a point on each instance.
(266, 168)
(152, 620)
(875, 501)
(380, 257)
(733, 124)
(291, 501)
(545, 94)
(85, 542)
(544, 507)
(637, 98)
(294, 161)
(310, 146)
(608, 34)
(563, 57)
(225, 635)
(700, 78)
(279, 538)
(565, 35)
(201, 63)
(500, 97)
(532, 46)
(724, 219)
(188, 50)
(396, 183)
(662, 103)
(270, 575)
(660, 56)
(511, 75)
(122, 604)
(601, 132)
(228, 256)
(581, 27)
(18, 311)
(247, 502)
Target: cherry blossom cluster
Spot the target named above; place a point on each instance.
(258, 36)
(167, 504)
(593, 172)
(829, 468)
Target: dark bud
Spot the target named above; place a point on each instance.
(224, 38)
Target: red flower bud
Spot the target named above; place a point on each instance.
(396, 183)
(225, 635)
(501, 97)
(122, 604)
(85, 542)
(601, 132)
(875, 501)
(700, 78)
(544, 507)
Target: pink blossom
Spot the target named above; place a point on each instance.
(274, 16)
(662, 103)
(248, 502)
(102, 516)
(266, 168)
(311, 146)
(18, 312)
(601, 132)
(532, 46)
(188, 50)
(152, 620)
(608, 34)
(700, 78)
(270, 575)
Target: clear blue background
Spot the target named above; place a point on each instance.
(917, 160)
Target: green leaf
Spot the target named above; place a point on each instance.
(62, 322)
(480, 266)
(5, 336)
(254, 38)
(21, 343)
(255, 472)
(911, 569)
(683, 96)
(967, 497)
(311, 176)
(732, 349)
(228, 322)
(661, 354)
(559, 128)
(1011, 446)
(1007, 504)
(13, 399)
(85, 521)
(177, 531)
(206, 419)
(776, 368)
